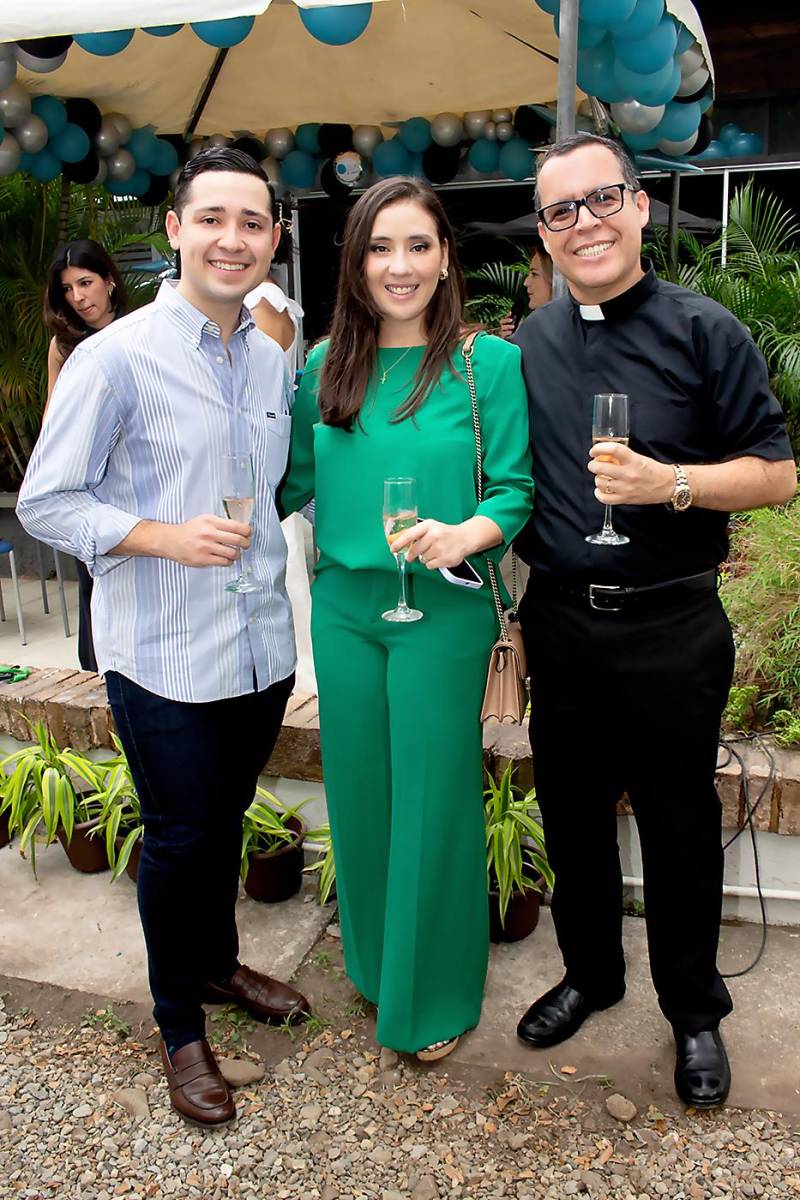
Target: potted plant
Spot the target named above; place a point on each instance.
(516, 859)
(120, 825)
(323, 864)
(43, 803)
(272, 849)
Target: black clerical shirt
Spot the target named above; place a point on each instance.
(699, 393)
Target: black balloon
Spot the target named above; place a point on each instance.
(331, 184)
(84, 171)
(157, 192)
(700, 94)
(530, 126)
(46, 47)
(441, 163)
(334, 139)
(251, 146)
(179, 143)
(84, 113)
(705, 132)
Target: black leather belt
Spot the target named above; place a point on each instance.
(604, 597)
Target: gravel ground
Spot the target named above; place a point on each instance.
(85, 1113)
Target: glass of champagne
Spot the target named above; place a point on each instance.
(609, 424)
(399, 513)
(238, 497)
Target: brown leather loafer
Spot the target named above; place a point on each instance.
(266, 999)
(196, 1088)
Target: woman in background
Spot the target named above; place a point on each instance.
(84, 293)
(538, 283)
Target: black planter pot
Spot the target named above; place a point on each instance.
(276, 875)
(5, 837)
(522, 915)
(87, 854)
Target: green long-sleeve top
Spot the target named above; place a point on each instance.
(344, 471)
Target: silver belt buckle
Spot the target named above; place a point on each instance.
(599, 590)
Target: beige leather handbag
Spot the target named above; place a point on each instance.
(506, 695)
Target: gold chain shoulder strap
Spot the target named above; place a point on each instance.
(469, 345)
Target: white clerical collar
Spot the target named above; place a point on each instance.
(591, 312)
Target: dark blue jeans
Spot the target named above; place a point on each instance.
(195, 767)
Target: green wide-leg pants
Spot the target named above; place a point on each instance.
(402, 766)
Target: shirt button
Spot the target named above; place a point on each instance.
(220, 359)
(252, 620)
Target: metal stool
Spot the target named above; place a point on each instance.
(59, 580)
(8, 548)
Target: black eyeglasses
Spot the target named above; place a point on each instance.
(602, 202)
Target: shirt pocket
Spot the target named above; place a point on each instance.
(277, 429)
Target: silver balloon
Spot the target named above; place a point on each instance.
(676, 148)
(102, 172)
(447, 129)
(219, 139)
(633, 117)
(15, 105)
(107, 138)
(124, 127)
(690, 60)
(195, 146)
(40, 66)
(500, 115)
(272, 169)
(8, 72)
(505, 131)
(10, 155)
(121, 164)
(694, 82)
(31, 134)
(490, 132)
(279, 142)
(366, 139)
(475, 124)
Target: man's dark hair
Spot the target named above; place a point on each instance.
(576, 141)
(218, 158)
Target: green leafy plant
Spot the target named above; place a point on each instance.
(120, 810)
(787, 727)
(324, 865)
(230, 1026)
(761, 594)
(499, 288)
(516, 857)
(39, 793)
(107, 1019)
(266, 827)
(739, 709)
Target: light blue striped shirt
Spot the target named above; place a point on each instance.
(139, 419)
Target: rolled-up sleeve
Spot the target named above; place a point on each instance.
(503, 405)
(58, 502)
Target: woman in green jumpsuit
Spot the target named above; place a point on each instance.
(386, 396)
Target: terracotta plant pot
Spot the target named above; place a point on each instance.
(5, 837)
(522, 915)
(275, 875)
(132, 865)
(87, 854)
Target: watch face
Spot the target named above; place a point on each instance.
(682, 499)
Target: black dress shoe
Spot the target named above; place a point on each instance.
(558, 1014)
(702, 1070)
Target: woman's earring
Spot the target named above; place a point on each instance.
(444, 273)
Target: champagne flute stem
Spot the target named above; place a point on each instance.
(401, 567)
(607, 526)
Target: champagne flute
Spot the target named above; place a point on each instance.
(399, 513)
(609, 424)
(238, 498)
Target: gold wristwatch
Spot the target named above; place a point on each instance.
(682, 496)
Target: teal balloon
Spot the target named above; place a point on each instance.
(588, 35)
(657, 88)
(298, 169)
(415, 134)
(729, 133)
(484, 155)
(223, 34)
(164, 158)
(52, 112)
(104, 44)
(138, 183)
(143, 146)
(685, 40)
(706, 102)
(44, 166)
(596, 74)
(746, 145)
(416, 167)
(679, 122)
(337, 25)
(516, 159)
(606, 12)
(549, 6)
(650, 52)
(162, 30)
(391, 158)
(306, 137)
(118, 187)
(640, 141)
(2, 134)
(714, 149)
(642, 20)
(71, 144)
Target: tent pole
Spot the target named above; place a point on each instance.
(208, 88)
(567, 82)
(674, 205)
(297, 282)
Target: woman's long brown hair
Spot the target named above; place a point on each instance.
(353, 349)
(68, 328)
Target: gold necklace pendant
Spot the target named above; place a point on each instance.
(385, 371)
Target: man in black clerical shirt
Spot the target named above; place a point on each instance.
(629, 650)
